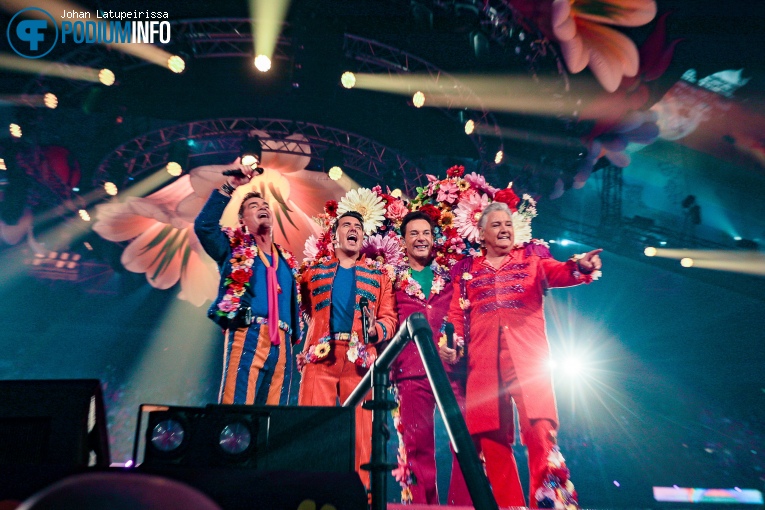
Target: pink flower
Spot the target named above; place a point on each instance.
(479, 183)
(467, 215)
(448, 191)
(396, 210)
(387, 247)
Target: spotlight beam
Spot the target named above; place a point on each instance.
(719, 260)
(48, 68)
(268, 18)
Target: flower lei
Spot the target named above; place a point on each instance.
(357, 352)
(557, 491)
(243, 253)
(403, 472)
(404, 280)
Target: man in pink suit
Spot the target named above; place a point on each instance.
(422, 285)
(497, 305)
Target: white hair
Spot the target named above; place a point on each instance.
(493, 207)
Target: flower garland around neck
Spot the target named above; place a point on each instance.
(406, 282)
(244, 250)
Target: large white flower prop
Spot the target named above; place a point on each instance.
(368, 204)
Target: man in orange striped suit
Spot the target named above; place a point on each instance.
(257, 305)
(335, 357)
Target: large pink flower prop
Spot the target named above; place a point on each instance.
(159, 227)
(467, 215)
(579, 27)
(385, 248)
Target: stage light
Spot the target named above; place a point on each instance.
(110, 188)
(663, 243)
(418, 99)
(262, 63)
(177, 158)
(552, 364)
(469, 127)
(650, 251)
(333, 162)
(335, 173)
(737, 238)
(251, 151)
(176, 64)
(565, 242)
(573, 367)
(106, 77)
(174, 169)
(15, 130)
(499, 157)
(2, 164)
(84, 215)
(167, 436)
(235, 438)
(50, 100)
(348, 80)
(686, 262)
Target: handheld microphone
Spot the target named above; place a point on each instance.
(364, 305)
(235, 172)
(449, 330)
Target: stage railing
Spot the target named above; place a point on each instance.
(416, 328)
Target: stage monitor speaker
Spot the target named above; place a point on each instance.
(265, 438)
(60, 422)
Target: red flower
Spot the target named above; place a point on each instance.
(241, 275)
(331, 208)
(561, 473)
(456, 171)
(509, 197)
(432, 211)
(236, 286)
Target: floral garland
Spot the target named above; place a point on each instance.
(357, 352)
(403, 472)
(404, 280)
(557, 490)
(243, 253)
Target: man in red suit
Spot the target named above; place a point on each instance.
(422, 285)
(497, 306)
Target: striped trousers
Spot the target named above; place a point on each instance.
(255, 372)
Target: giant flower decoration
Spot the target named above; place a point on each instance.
(367, 203)
(579, 27)
(159, 228)
(384, 248)
(467, 215)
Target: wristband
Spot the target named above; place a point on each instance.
(227, 189)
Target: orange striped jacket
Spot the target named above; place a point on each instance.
(372, 282)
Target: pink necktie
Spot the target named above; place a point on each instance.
(273, 302)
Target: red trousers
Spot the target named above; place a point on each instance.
(335, 377)
(417, 408)
(497, 449)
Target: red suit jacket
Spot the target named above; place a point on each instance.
(506, 305)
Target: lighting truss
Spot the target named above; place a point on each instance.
(148, 152)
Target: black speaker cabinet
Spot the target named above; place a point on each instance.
(60, 422)
(265, 438)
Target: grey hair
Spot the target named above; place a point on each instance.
(493, 207)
